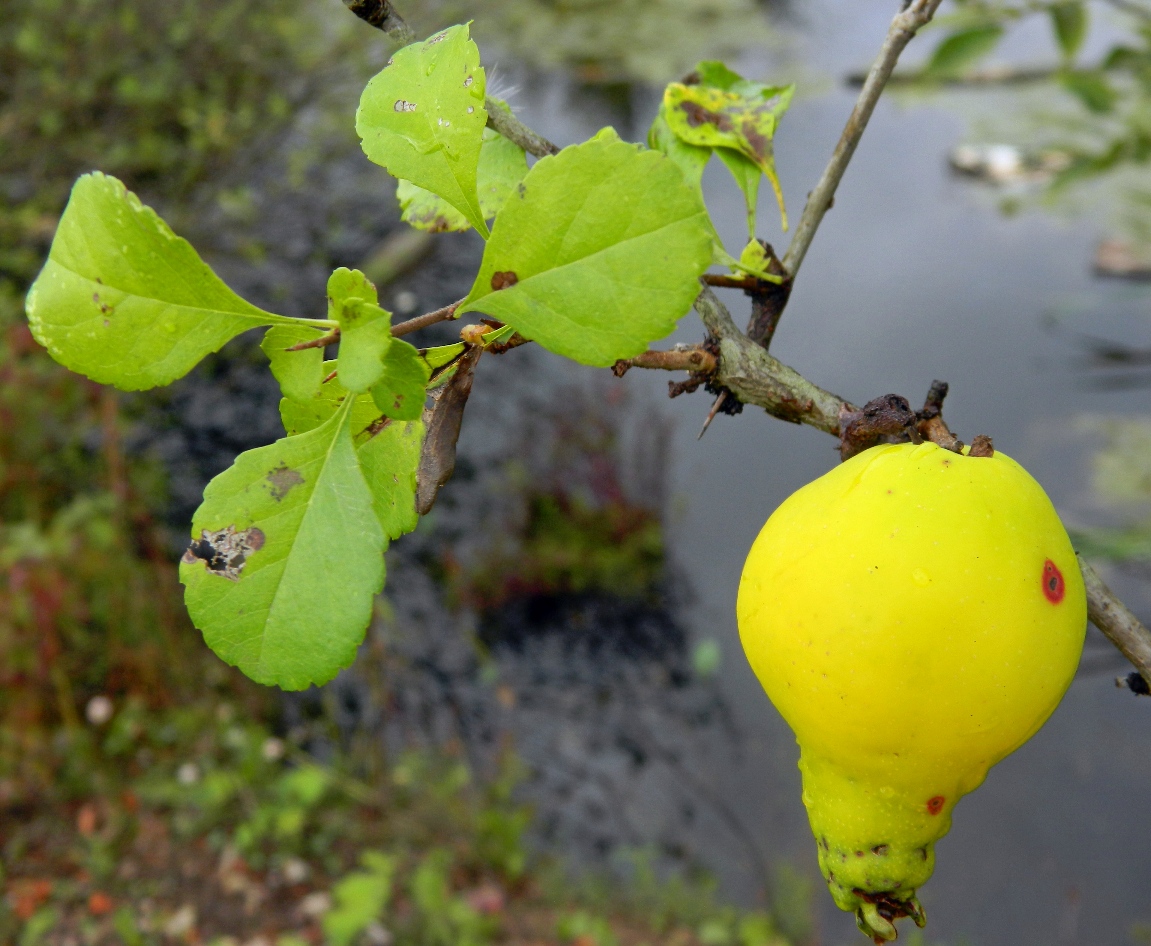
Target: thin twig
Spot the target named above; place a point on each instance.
(428, 318)
(1116, 621)
(905, 25)
(678, 359)
(501, 119)
(320, 341)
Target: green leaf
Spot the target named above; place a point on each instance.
(389, 460)
(403, 385)
(714, 73)
(963, 49)
(1091, 87)
(298, 372)
(287, 556)
(423, 118)
(597, 253)
(503, 165)
(301, 416)
(389, 451)
(1070, 23)
(743, 117)
(360, 899)
(747, 175)
(365, 328)
(125, 301)
(754, 259)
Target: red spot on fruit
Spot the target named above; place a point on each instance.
(935, 805)
(1053, 584)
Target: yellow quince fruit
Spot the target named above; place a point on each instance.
(915, 615)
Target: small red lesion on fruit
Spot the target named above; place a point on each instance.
(935, 804)
(1053, 585)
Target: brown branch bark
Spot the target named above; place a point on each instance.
(1116, 621)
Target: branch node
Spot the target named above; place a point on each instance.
(885, 419)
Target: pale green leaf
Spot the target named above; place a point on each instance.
(402, 387)
(125, 301)
(503, 165)
(423, 118)
(365, 328)
(301, 416)
(1070, 23)
(597, 253)
(963, 49)
(298, 372)
(290, 558)
(389, 451)
(742, 117)
(389, 459)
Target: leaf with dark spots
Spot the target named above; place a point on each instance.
(300, 609)
(726, 112)
(281, 480)
(605, 251)
(697, 115)
(403, 382)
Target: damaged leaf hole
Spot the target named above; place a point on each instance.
(224, 551)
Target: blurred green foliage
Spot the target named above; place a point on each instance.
(162, 95)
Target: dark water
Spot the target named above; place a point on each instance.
(915, 276)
